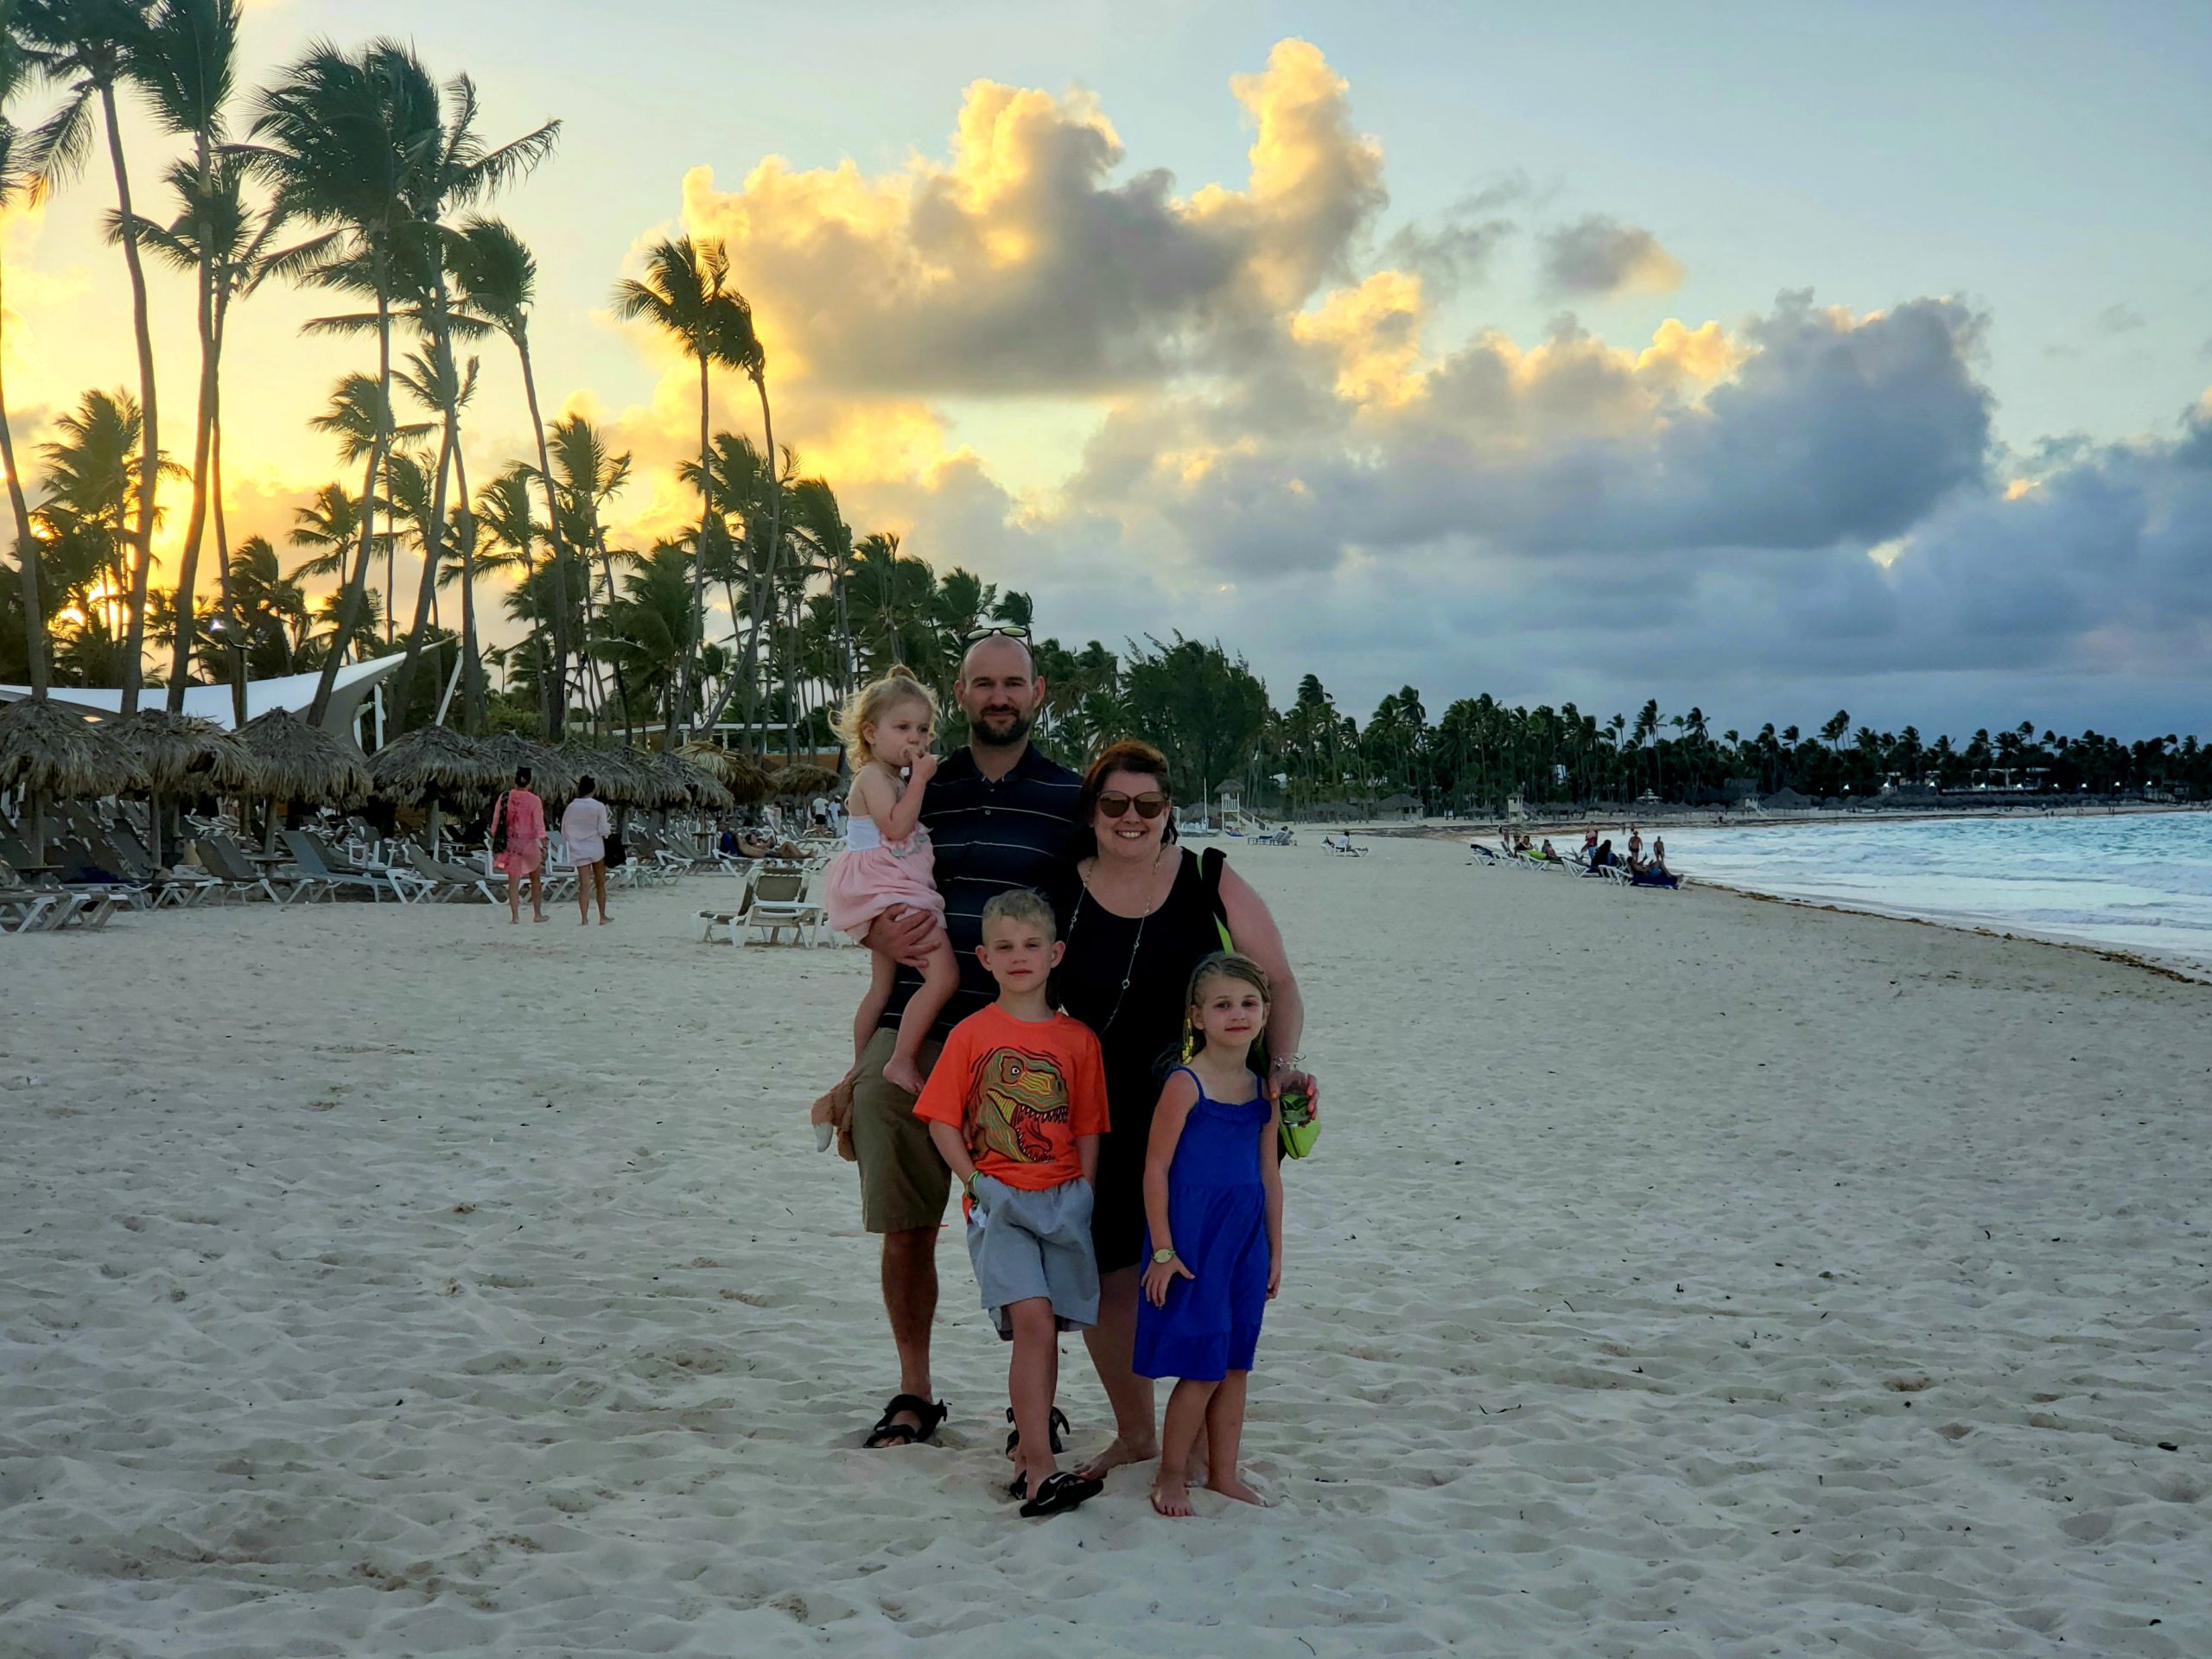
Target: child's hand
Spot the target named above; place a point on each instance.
(922, 768)
(1275, 1277)
(1160, 1276)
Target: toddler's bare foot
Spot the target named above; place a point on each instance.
(1170, 1497)
(1229, 1486)
(903, 1074)
(1117, 1453)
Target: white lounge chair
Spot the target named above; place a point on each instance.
(779, 900)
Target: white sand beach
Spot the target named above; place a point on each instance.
(1678, 1274)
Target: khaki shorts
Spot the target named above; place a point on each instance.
(904, 1183)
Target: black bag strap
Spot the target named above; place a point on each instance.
(1212, 863)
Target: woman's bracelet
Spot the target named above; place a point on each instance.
(1286, 1062)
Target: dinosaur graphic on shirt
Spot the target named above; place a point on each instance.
(1017, 1093)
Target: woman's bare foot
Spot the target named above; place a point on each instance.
(1170, 1497)
(1117, 1453)
(1229, 1486)
(903, 1074)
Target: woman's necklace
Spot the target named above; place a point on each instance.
(1130, 968)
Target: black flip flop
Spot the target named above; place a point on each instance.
(887, 1432)
(1063, 1491)
(1057, 1423)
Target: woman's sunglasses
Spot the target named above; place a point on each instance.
(1115, 805)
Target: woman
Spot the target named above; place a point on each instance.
(521, 816)
(585, 825)
(1140, 915)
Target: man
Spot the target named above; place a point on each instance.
(1001, 815)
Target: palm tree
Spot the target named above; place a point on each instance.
(220, 238)
(686, 294)
(92, 476)
(460, 171)
(498, 278)
(187, 63)
(18, 184)
(270, 606)
(652, 630)
(503, 509)
(344, 143)
(437, 385)
(331, 523)
(585, 477)
(89, 46)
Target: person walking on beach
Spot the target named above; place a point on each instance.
(1015, 1107)
(518, 845)
(1142, 913)
(1001, 815)
(585, 825)
(1213, 1234)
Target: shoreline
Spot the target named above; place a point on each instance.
(2184, 970)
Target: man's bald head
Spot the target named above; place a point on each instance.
(992, 643)
(999, 691)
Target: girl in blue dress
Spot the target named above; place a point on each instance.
(1213, 1200)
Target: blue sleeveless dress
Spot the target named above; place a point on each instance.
(1217, 1210)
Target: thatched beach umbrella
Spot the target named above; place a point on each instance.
(51, 754)
(553, 773)
(183, 754)
(700, 787)
(745, 778)
(616, 772)
(802, 780)
(435, 767)
(303, 763)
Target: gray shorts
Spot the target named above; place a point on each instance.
(1030, 1244)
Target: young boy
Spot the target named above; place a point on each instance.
(1016, 1103)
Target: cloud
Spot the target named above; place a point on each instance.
(1456, 250)
(2120, 318)
(1019, 265)
(1291, 454)
(1598, 255)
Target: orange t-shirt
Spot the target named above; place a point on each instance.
(1020, 1094)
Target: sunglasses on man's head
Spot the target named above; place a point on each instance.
(1115, 805)
(1004, 630)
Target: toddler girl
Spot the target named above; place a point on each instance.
(1213, 1197)
(886, 861)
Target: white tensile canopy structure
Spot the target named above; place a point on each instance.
(293, 692)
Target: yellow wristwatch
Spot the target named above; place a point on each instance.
(1162, 1257)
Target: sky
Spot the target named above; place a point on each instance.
(1767, 360)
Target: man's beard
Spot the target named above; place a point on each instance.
(1015, 731)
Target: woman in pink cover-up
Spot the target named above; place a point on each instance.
(522, 815)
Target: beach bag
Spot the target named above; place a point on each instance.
(1298, 1131)
(500, 826)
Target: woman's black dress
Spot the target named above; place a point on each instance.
(1141, 1029)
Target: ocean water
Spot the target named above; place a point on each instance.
(2141, 883)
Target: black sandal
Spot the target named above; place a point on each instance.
(887, 1432)
(1057, 1423)
(1063, 1491)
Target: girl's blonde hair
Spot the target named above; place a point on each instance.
(1227, 964)
(867, 707)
